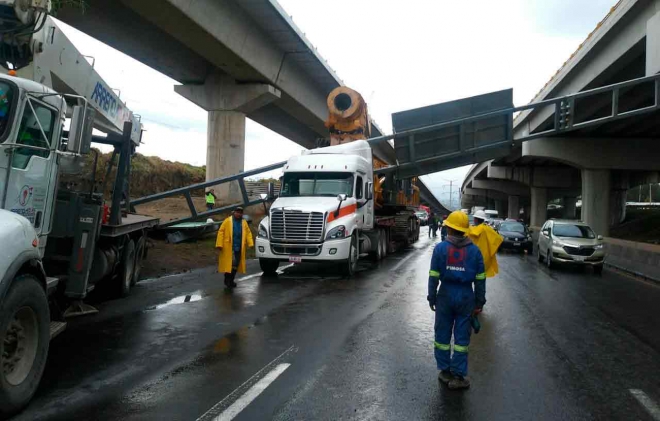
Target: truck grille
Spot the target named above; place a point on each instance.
(579, 251)
(297, 249)
(293, 226)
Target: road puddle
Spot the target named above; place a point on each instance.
(196, 296)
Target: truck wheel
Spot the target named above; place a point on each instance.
(24, 340)
(377, 254)
(349, 266)
(383, 242)
(126, 268)
(139, 257)
(269, 266)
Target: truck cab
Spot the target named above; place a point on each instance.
(31, 124)
(325, 203)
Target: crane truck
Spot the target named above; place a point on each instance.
(58, 240)
(332, 207)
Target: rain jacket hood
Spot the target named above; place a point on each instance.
(459, 242)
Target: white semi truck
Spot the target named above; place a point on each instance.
(333, 206)
(58, 240)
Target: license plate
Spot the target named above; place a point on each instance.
(579, 258)
(516, 244)
(295, 259)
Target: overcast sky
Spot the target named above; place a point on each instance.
(398, 54)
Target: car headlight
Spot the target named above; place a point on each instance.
(529, 237)
(263, 232)
(557, 243)
(599, 247)
(336, 233)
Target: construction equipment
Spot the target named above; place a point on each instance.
(59, 240)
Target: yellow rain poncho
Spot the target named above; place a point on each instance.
(488, 242)
(224, 242)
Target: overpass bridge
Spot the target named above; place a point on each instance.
(600, 161)
(235, 59)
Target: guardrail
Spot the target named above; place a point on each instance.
(185, 192)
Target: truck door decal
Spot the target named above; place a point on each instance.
(346, 210)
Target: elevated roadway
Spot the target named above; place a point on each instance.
(235, 59)
(599, 163)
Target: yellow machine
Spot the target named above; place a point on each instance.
(348, 120)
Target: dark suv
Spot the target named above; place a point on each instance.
(516, 236)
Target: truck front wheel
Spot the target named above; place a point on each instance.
(268, 266)
(349, 266)
(24, 340)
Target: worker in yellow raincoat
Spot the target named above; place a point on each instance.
(234, 237)
(488, 241)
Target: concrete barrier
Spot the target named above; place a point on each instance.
(641, 259)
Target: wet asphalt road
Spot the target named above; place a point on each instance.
(554, 345)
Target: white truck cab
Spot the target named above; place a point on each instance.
(325, 203)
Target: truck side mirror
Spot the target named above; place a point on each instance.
(600, 237)
(341, 197)
(546, 233)
(370, 191)
(270, 191)
(80, 132)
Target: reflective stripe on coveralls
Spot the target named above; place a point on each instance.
(434, 273)
(441, 347)
(480, 276)
(461, 348)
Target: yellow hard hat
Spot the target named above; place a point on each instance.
(457, 220)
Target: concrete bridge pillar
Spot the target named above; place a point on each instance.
(596, 189)
(499, 207)
(569, 207)
(227, 104)
(514, 207)
(539, 210)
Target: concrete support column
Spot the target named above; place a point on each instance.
(514, 207)
(499, 207)
(225, 150)
(596, 188)
(569, 207)
(653, 45)
(228, 103)
(539, 210)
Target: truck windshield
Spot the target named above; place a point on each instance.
(317, 184)
(6, 101)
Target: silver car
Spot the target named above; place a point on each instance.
(564, 241)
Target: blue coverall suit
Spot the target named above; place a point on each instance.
(456, 263)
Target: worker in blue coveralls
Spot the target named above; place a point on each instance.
(456, 264)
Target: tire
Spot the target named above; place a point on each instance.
(598, 270)
(548, 260)
(126, 267)
(269, 266)
(383, 242)
(349, 266)
(139, 257)
(377, 255)
(23, 310)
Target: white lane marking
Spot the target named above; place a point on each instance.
(256, 275)
(252, 393)
(220, 408)
(647, 402)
